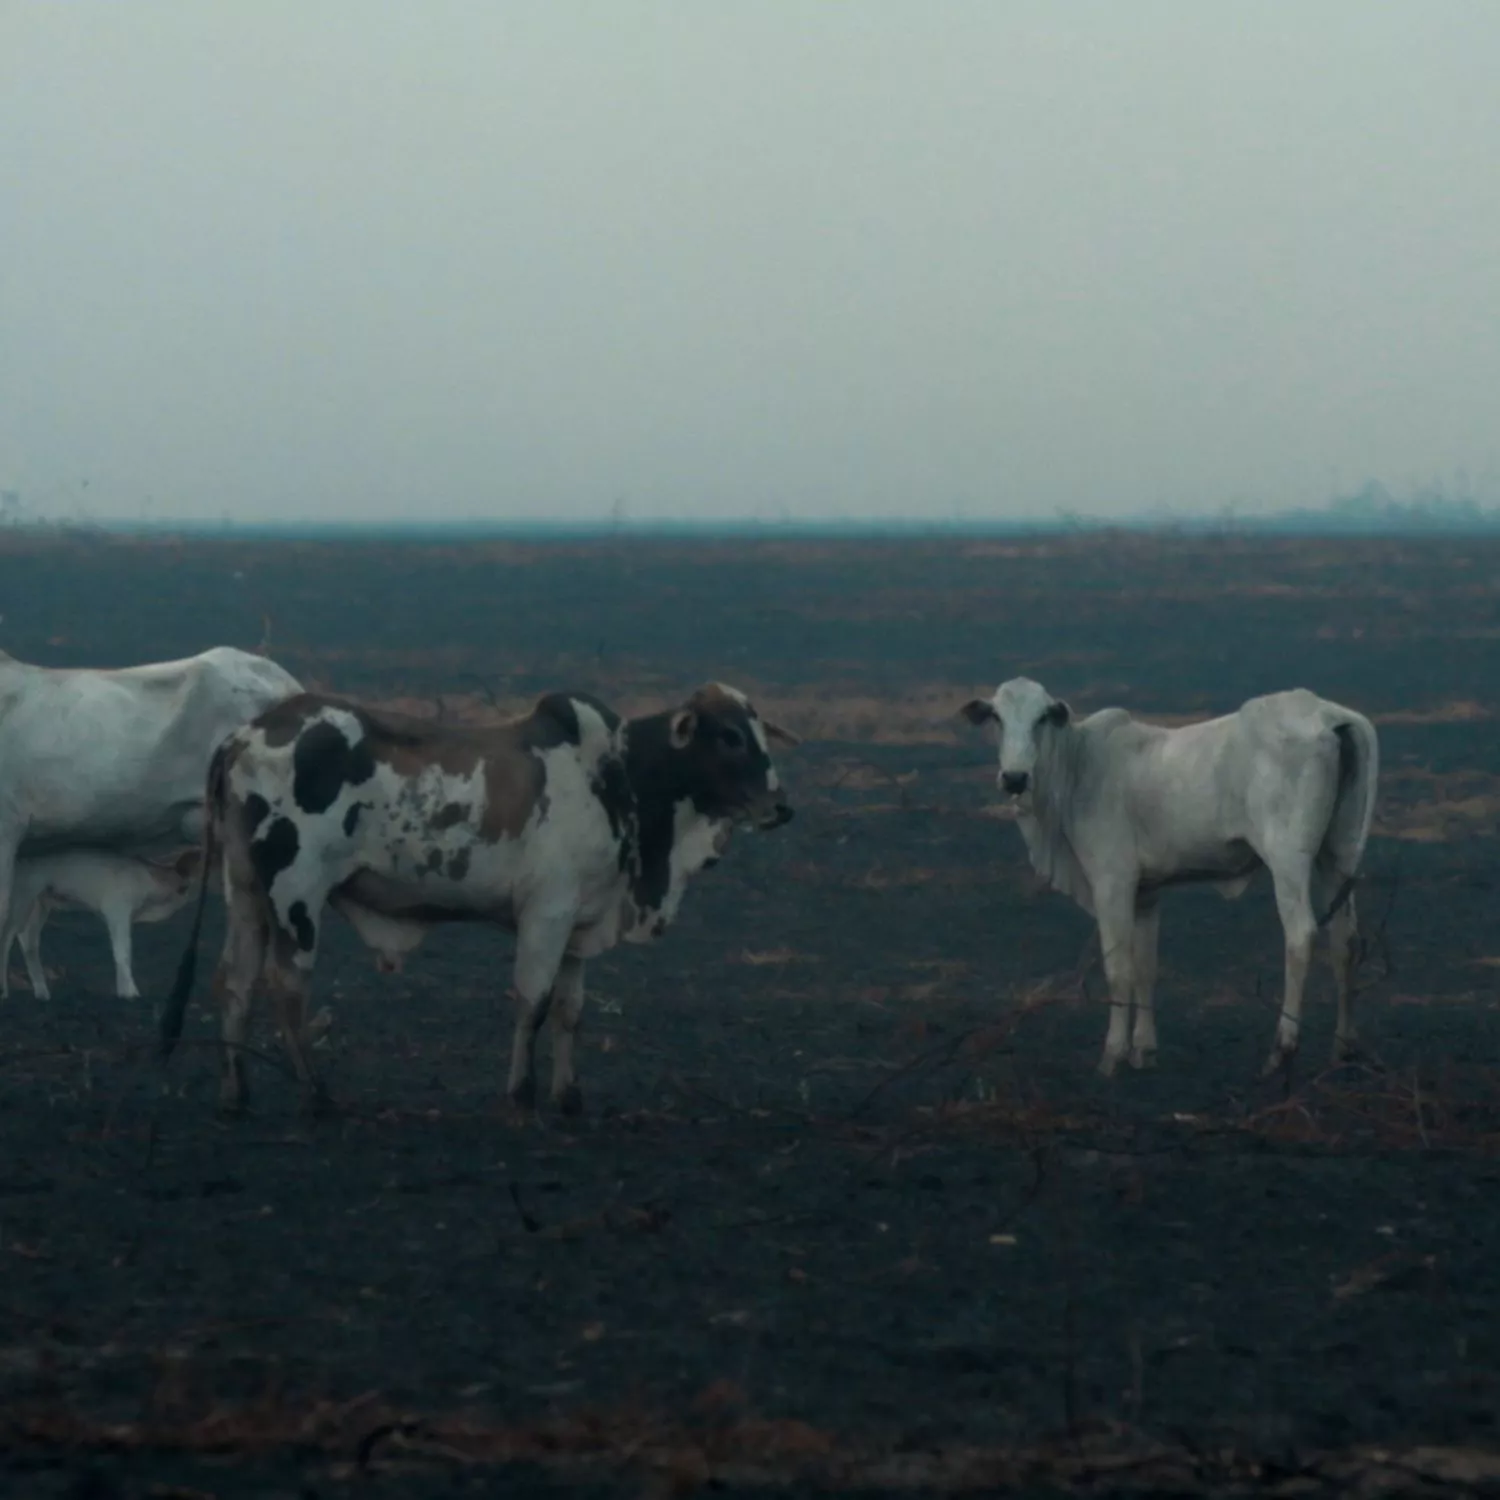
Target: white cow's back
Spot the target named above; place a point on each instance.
(119, 757)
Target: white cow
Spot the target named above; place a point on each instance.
(1114, 811)
(116, 759)
(122, 888)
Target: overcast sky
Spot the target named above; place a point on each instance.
(360, 260)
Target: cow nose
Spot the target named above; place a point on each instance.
(781, 814)
(1014, 782)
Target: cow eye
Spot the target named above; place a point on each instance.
(733, 737)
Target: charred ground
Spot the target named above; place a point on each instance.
(848, 1207)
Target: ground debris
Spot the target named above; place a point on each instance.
(727, 1447)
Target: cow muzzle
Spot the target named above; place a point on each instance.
(779, 814)
(1015, 782)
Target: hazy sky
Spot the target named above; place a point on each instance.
(349, 259)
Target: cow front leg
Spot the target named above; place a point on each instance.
(31, 947)
(1116, 914)
(1143, 1035)
(1294, 903)
(28, 930)
(566, 1008)
(540, 945)
(10, 842)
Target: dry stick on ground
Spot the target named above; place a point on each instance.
(1377, 939)
(1069, 1260)
(870, 765)
(944, 1052)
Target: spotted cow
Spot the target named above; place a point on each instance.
(574, 829)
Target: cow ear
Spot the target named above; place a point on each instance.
(979, 711)
(684, 725)
(776, 732)
(1058, 713)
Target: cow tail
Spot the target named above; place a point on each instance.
(213, 811)
(1353, 807)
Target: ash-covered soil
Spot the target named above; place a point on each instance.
(848, 1208)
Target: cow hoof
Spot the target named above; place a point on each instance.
(233, 1106)
(1278, 1062)
(1107, 1064)
(570, 1101)
(1143, 1057)
(523, 1095)
(317, 1104)
(1347, 1050)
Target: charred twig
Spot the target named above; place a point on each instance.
(530, 1225)
(944, 1054)
(1377, 940)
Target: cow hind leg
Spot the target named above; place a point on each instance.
(1343, 935)
(1143, 1034)
(291, 969)
(239, 971)
(1294, 903)
(566, 1008)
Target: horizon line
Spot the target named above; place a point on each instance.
(1407, 521)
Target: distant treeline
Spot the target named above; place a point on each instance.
(1371, 510)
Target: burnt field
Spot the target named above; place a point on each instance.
(848, 1208)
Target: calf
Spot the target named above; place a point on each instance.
(573, 829)
(1115, 811)
(123, 889)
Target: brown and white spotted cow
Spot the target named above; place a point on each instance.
(570, 827)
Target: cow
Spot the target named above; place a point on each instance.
(121, 888)
(115, 759)
(1115, 811)
(570, 827)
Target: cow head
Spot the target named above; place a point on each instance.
(725, 757)
(1023, 712)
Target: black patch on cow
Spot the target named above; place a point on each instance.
(275, 852)
(324, 763)
(257, 810)
(446, 817)
(302, 925)
(611, 784)
(351, 818)
(434, 860)
(554, 720)
(458, 864)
